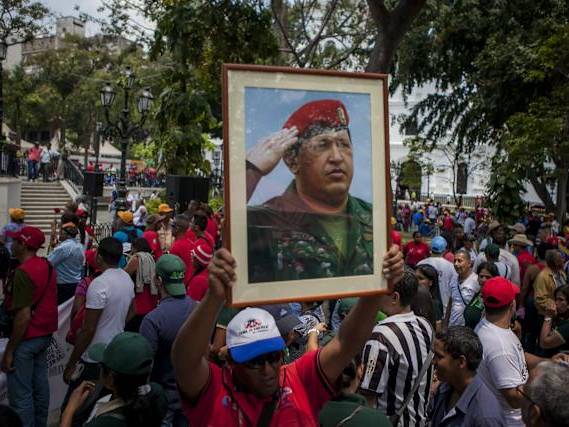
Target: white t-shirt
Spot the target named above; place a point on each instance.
(112, 292)
(469, 225)
(462, 294)
(507, 258)
(503, 365)
(447, 276)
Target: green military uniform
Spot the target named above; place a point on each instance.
(286, 241)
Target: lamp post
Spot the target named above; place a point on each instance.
(123, 128)
(395, 169)
(99, 129)
(3, 53)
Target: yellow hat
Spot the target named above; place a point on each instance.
(164, 208)
(17, 213)
(125, 216)
(393, 221)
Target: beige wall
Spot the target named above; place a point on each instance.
(10, 189)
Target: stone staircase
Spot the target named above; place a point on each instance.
(39, 200)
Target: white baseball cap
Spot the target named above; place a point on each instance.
(251, 333)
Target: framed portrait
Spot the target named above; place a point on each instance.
(307, 196)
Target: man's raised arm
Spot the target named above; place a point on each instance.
(191, 347)
(356, 328)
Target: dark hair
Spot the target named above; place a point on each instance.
(141, 245)
(542, 249)
(110, 249)
(415, 233)
(433, 275)
(490, 267)
(422, 305)
(496, 311)
(69, 217)
(9, 417)
(462, 341)
(551, 255)
(492, 251)
(200, 221)
(350, 371)
(564, 290)
(141, 410)
(406, 288)
(182, 221)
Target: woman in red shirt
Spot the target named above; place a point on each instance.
(198, 283)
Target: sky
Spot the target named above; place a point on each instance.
(67, 8)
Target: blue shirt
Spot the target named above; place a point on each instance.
(11, 227)
(476, 407)
(126, 236)
(68, 260)
(160, 328)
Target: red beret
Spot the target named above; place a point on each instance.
(330, 113)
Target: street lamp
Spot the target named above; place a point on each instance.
(3, 53)
(123, 128)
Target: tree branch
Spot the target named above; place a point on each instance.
(285, 36)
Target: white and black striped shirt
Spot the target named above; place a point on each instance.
(393, 358)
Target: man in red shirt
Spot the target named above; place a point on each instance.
(416, 250)
(197, 285)
(151, 234)
(182, 246)
(33, 301)
(255, 388)
(197, 233)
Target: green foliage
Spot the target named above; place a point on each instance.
(152, 205)
(499, 70)
(21, 19)
(504, 191)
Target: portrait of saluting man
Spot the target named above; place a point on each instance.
(316, 227)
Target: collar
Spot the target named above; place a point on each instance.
(399, 318)
(468, 394)
(105, 405)
(354, 398)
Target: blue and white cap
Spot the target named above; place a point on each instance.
(251, 333)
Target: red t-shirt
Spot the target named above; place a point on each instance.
(197, 285)
(448, 223)
(182, 247)
(145, 302)
(154, 243)
(211, 228)
(415, 252)
(525, 259)
(304, 391)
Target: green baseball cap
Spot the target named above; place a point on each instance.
(128, 353)
(172, 270)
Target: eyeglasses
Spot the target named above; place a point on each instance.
(344, 146)
(260, 361)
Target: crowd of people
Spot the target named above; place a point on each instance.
(474, 332)
(136, 177)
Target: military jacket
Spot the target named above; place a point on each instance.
(286, 241)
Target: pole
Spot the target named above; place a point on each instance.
(122, 191)
(97, 147)
(1, 104)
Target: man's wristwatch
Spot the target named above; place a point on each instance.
(313, 330)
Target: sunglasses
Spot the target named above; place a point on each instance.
(260, 361)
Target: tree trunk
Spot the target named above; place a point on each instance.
(562, 184)
(542, 192)
(391, 27)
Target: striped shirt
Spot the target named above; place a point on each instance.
(393, 358)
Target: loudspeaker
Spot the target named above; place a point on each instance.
(183, 189)
(93, 183)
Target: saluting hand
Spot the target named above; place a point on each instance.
(267, 153)
(221, 273)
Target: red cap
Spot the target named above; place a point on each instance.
(499, 292)
(32, 237)
(330, 113)
(553, 240)
(396, 238)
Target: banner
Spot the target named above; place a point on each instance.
(58, 353)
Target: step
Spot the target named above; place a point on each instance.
(46, 196)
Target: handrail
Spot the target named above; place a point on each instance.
(73, 174)
(9, 165)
